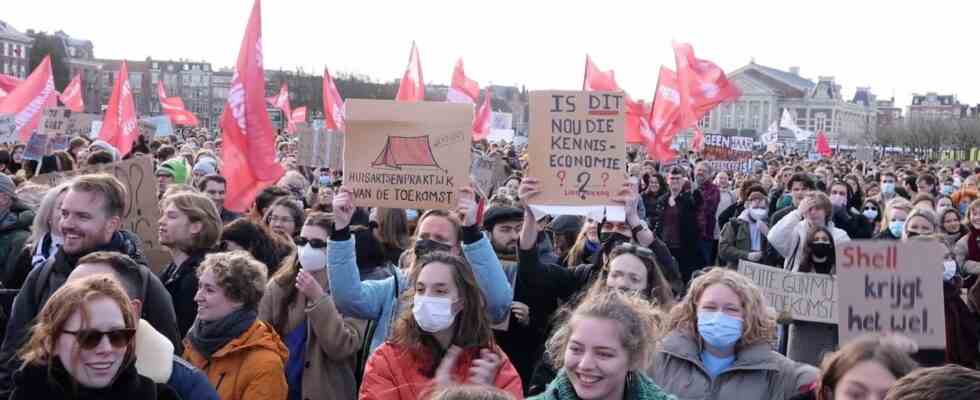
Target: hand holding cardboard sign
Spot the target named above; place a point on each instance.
(527, 190)
(343, 208)
(467, 206)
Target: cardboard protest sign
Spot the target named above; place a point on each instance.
(37, 147)
(728, 153)
(489, 172)
(8, 125)
(407, 155)
(887, 286)
(806, 297)
(576, 149)
(54, 121)
(141, 213)
(319, 147)
(80, 124)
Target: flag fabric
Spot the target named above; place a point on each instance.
(248, 156)
(637, 126)
(597, 80)
(462, 89)
(771, 135)
(29, 98)
(703, 85)
(664, 117)
(119, 126)
(482, 119)
(298, 116)
(412, 87)
(7, 84)
(697, 143)
(281, 101)
(787, 121)
(174, 108)
(333, 104)
(71, 97)
(823, 145)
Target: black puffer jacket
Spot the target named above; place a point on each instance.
(32, 382)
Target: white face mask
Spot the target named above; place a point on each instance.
(311, 259)
(949, 269)
(758, 214)
(433, 314)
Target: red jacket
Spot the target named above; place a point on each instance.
(393, 373)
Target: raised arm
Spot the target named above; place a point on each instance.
(486, 266)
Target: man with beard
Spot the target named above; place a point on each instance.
(91, 215)
(189, 228)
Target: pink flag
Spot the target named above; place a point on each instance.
(174, 108)
(664, 116)
(281, 101)
(119, 126)
(248, 148)
(703, 85)
(7, 84)
(697, 143)
(412, 88)
(597, 80)
(333, 104)
(823, 145)
(482, 119)
(298, 116)
(72, 95)
(28, 100)
(462, 89)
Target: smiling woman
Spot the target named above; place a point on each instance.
(82, 347)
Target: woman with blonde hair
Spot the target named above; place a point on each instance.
(719, 345)
(586, 244)
(967, 249)
(893, 222)
(81, 347)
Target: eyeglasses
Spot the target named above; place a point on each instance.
(90, 338)
(314, 243)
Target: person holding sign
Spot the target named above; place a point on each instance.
(438, 230)
(720, 345)
(808, 341)
(789, 234)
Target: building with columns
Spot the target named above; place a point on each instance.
(816, 106)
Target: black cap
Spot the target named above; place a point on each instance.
(566, 224)
(495, 215)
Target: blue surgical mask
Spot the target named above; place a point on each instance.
(870, 214)
(896, 228)
(411, 214)
(719, 329)
(888, 187)
(947, 189)
(325, 180)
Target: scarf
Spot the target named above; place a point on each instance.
(208, 337)
(973, 250)
(638, 387)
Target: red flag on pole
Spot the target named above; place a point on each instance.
(281, 101)
(298, 115)
(412, 88)
(462, 89)
(597, 80)
(29, 98)
(697, 143)
(72, 95)
(119, 127)
(174, 108)
(482, 119)
(333, 104)
(248, 148)
(823, 145)
(703, 85)
(664, 116)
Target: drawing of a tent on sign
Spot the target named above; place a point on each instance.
(401, 151)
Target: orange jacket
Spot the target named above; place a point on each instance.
(392, 373)
(249, 367)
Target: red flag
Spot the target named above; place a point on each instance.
(637, 126)
(697, 143)
(482, 118)
(29, 98)
(7, 84)
(823, 146)
(462, 89)
(248, 148)
(664, 116)
(174, 108)
(298, 116)
(72, 95)
(597, 80)
(703, 85)
(412, 88)
(119, 127)
(333, 104)
(281, 101)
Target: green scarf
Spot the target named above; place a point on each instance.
(638, 387)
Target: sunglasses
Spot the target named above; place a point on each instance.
(90, 338)
(314, 243)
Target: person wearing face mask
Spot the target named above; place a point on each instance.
(808, 341)
(586, 244)
(889, 188)
(719, 345)
(948, 187)
(322, 343)
(744, 238)
(443, 339)
(871, 211)
(789, 235)
(850, 220)
(893, 221)
(967, 249)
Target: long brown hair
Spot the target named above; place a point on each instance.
(472, 325)
(866, 348)
(285, 276)
(393, 227)
(657, 290)
(806, 260)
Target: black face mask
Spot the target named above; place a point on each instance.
(822, 250)
(611, 240)
(426, 246)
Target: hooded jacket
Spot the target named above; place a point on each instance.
(15, 228)
(250, 367)
(736, 241)
(789, 234)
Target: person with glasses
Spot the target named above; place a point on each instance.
(190, 227)
(322, 343)
(285, 217)
(243, 357)
(82, 348)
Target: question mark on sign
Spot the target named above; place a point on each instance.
(583, 180)
(605, 178)
(561, 177)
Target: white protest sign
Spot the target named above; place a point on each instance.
(806, 297)
(8, 125)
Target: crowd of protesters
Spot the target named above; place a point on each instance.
(308, 295)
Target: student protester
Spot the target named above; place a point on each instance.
(808, 341)
(82, 348)
(392, 230)
(671, 217)
(257, 239)
(706, 199)
(155, 357)
(602, 350)
(873, 213)
(565, 231)
(789, 235)
(242, 356)
(720, 345)
(586, 244)
(172, 171)
(322, 343)
(864, 369)
(744, 237)
(968, 247)
(438, 230)
(285, 217)
(46, 237)
(16, 218)
(444, 338)
(850, 220)
(215, 187)
(264, 199)
(952, 226)
(91, 215)
(950, 382)
(746, 188)
(189, 228)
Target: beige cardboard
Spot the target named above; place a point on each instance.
(888, 286)
(806, 297)
(54, 121)
(576, 147)
(407, 155)
(141, 213)
(80, 124)
(320, 147)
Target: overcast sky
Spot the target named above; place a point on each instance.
(892, 47)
